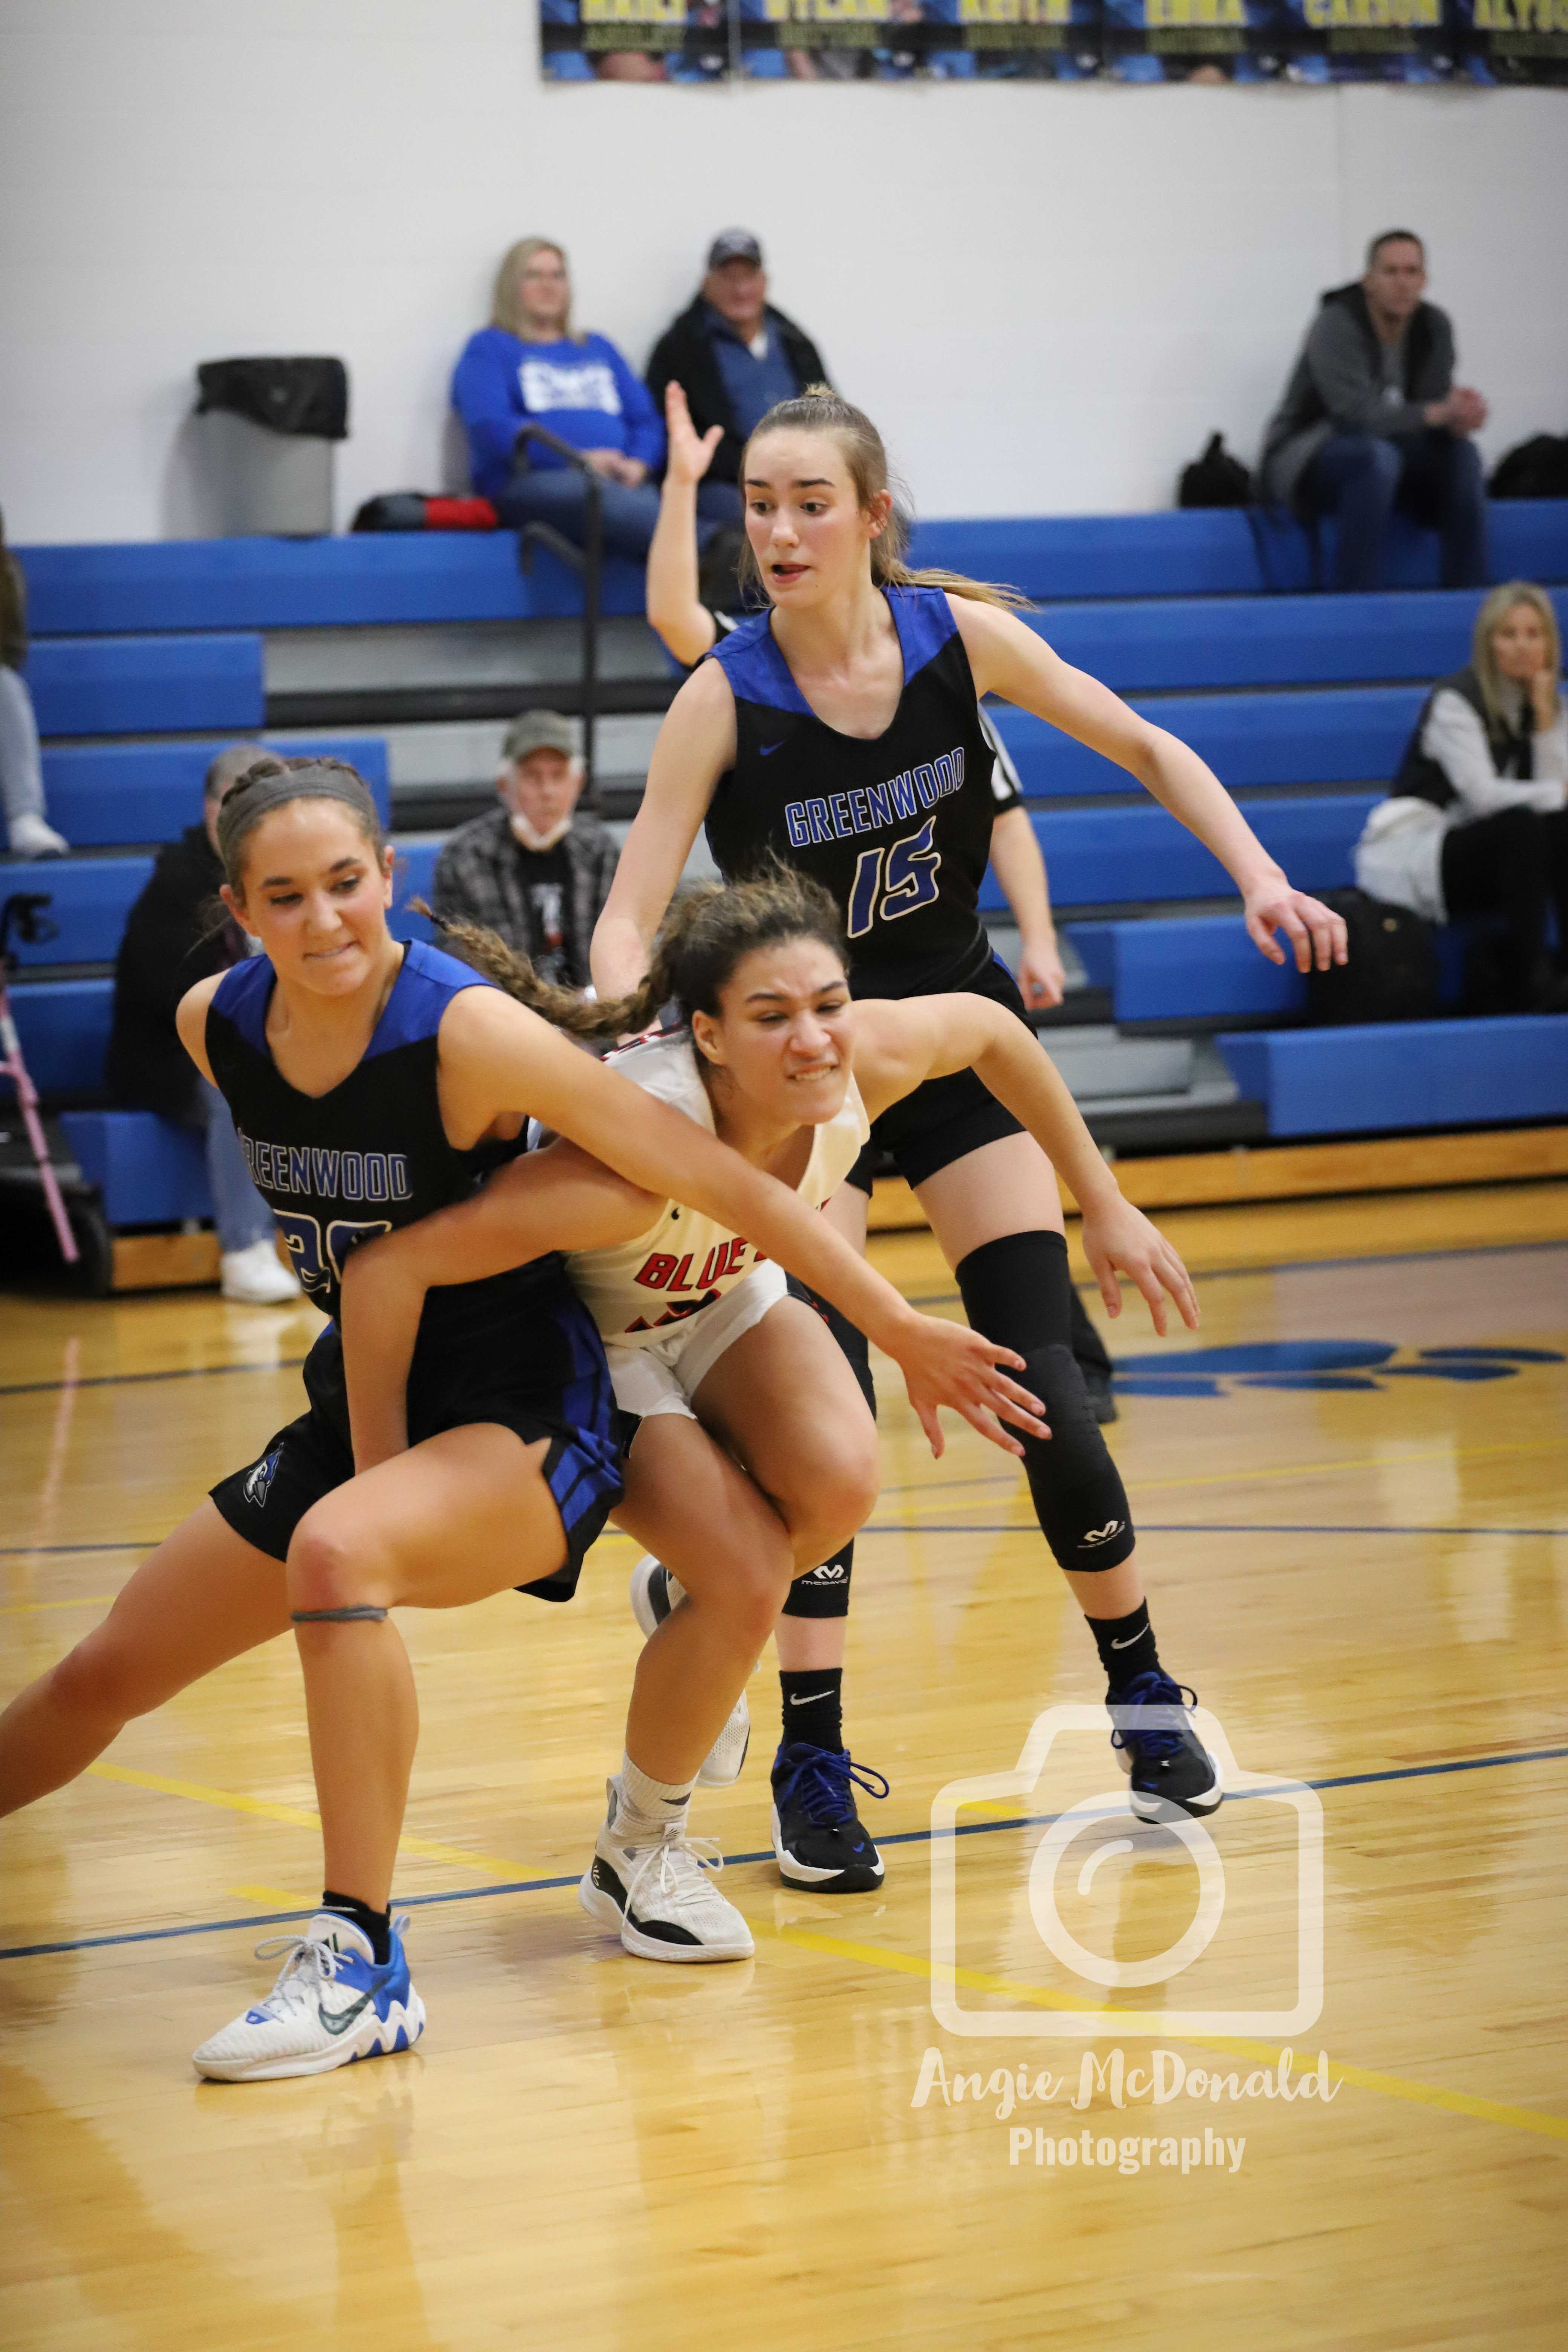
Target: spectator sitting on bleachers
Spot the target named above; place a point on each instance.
(168, 945)
(528, 367)
(536, 871)
(1476, 822)
(733, 356)
(28, 830)
(1371, 419)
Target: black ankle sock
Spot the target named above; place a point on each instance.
(376, 1925)
(1126, 1645)
(813, 1701)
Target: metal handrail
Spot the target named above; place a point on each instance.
(587, 560)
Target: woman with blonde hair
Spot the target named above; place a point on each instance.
(1475, 823)
(529, 366)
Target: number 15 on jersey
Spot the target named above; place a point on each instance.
(893, 882)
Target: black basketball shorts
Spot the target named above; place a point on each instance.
(946, 1119)
(556, 1386)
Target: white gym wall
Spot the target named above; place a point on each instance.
(1047, 297)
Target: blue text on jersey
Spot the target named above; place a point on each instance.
(867, 808)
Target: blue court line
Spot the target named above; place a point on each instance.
(1182, 1528)
(765, 1854)
(131, 1380)
(25, 1551)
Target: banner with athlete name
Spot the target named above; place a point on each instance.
(1494, 43)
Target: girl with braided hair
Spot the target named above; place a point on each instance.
(741, 1399)
(370, 1084)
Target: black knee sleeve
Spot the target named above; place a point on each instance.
(825, 1591)
(1017, 1292)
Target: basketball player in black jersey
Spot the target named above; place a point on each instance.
(840, 727)
(365, 1078)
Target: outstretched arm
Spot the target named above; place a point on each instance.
(498, 1058)
(696, 744)
(550, 1200)
(1010, 660)
(899, 1045)
(675, 608)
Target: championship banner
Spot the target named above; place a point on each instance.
(1493, 43)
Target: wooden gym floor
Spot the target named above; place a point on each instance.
(1361, 1559)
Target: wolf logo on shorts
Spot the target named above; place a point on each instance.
(260, 1478)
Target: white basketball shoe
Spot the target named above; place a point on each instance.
(331, 2005)
(657, 1891)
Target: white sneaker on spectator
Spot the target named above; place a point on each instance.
(31, 838)
(256, 1276)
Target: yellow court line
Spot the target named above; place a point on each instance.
(84, 1600)
(490, 1865)
(1362, 2078)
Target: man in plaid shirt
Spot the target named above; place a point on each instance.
(536, 869)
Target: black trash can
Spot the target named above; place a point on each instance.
(269, 429)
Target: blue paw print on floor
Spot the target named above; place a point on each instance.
(1314, 1364)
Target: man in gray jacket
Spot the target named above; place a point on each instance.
(1371, 419)
(536, 869)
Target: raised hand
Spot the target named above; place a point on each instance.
(948, 1364)
(1119, 1236)
(1316, 934)
(689, 455)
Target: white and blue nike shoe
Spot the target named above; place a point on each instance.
(331, 2005)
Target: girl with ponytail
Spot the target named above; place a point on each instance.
(841, 730)
(744, 1404)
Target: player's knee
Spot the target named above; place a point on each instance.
(837, 1498)
(754, 1597)
(1079, 1496)
(328, 1566)
(99, 1681)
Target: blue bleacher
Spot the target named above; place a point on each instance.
(103, 794)
(64, 1027)
(1106, 857)
(1268, 640)
(1389, 1077)
(1333, 735)
(1211, 551)
(143, 686)
(148, 1172)
(366, 579)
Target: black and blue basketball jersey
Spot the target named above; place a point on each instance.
(340, 1168)
(897, 828)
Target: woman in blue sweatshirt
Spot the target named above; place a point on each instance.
(528, 367)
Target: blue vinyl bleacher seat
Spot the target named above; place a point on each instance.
(1335, 735)
(147, 1172)
(1205, 968)
(366, 578)
(1268, 640)
(1393, 1075)
(64, 1027)
(1114, 855)
(1211, 551)
(146, 686)
(89, 899)
(103, 794)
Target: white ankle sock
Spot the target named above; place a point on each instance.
(646, 1807)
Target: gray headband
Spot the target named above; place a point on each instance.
(255, 796)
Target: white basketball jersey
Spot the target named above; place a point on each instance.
(638, 1290)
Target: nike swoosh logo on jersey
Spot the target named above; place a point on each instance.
(810, 1697)
(764, 750)
(339, 2021)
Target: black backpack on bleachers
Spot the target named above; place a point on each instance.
(1392, 974)
(1215, 480)
(1536, 470)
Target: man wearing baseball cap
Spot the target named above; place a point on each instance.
(536, 869)
(733, 355)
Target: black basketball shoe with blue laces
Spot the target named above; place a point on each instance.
(1155, 1744)
(818, 1837)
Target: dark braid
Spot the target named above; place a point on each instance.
(705, 934)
